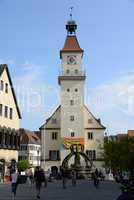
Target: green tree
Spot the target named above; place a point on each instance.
(23, 165)
(119, 154)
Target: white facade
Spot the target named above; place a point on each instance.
(72, 121)
(30, 152)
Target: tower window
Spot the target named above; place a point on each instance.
(72, 134)
(67, 71)
(71, 102)
(76, 90)
(71, 118)
(6, 88)
(76, 71)
(68, 90)
(90, 135)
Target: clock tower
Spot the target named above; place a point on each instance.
(71, 122)
(71, 81)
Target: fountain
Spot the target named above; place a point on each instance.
(79, 161)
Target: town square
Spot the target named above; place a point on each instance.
(66, 100)
(54, 191)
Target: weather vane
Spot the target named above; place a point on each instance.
(71, 11)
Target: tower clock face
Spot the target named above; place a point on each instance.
(71, 60)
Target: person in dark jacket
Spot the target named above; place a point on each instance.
(39, 178)
(73, 175)
(64, 177)
(125, 195)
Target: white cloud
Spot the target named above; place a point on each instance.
(34, 94)
(114, 102)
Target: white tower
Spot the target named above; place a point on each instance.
(72, 122)
(71, 80)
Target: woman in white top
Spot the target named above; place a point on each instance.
(14, 178)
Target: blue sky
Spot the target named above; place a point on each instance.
(32, 33)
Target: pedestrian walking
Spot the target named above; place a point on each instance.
(39, 178)
(14, 183)
(30, 176)
(44, 179)
(64, 177)
(96, 178)
(73, 175)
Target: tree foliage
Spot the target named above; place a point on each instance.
(119, 154)
(23, 165)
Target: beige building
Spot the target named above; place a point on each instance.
(30, 147)
(72, 122)
(9, 122)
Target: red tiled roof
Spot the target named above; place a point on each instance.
(131, 133)
(28, 137)
(71, 45)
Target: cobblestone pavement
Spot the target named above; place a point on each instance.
(83, 191)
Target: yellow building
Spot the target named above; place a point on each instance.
(9, 122)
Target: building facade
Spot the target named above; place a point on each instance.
(9, 122)
(72, 122)
(30, 147)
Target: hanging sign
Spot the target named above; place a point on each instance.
(67, 142)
